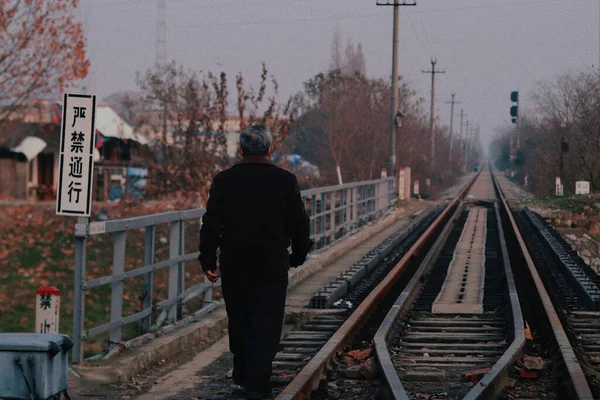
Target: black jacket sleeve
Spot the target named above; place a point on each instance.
(212, 229)
(298, 225)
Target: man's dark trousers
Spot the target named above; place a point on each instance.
(255, 305)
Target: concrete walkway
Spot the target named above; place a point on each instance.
(299, 296)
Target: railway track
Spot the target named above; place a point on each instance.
(376, 302)
(452, 321)
(302, 340)
(456, 343)
(573, 288)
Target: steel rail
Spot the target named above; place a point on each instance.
(579, 385)
(309, 377)
(497, 377)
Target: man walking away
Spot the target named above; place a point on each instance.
(253, 212)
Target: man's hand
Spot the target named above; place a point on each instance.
(212, 276)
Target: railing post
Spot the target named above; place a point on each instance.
(367, 202)
(383, 194)
(375, 189)
(174, 280)
(208, 295)
(313, 212)
(354, 205)
(116, 297)
(374, 202)
(343, 208)
(78, 292)
(181, 270)
(333, 196)
(146, 323)
(323, 215)
(391, 186)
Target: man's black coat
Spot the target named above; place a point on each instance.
(253, 212)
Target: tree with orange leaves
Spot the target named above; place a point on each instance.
(42, 49)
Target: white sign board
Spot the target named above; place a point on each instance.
(77, 140)
(582, 187)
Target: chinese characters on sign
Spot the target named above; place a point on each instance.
(78, 136)
(47, 309)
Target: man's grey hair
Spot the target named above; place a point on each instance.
(256, 140)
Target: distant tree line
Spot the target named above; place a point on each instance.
(560, 136)
(344, 125)
(340, 122)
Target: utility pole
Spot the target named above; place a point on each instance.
(394, 127)
(471, 134)
(161, 32)
(467, 147)
(432, 116)
(452, 103)
(462, 137)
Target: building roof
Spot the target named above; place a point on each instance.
(30, 139)
(110, 124)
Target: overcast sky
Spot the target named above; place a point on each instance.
(487, 47)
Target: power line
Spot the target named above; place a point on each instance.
(363, 16)
(338, 18)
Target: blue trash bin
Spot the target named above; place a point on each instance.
(33, 366)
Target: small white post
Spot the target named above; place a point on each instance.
(401, 183)
(407, 180)
(47, 309)
(416, 188)
(559, 186)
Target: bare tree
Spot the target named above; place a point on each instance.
(331, 104)
(336, 51)
(43, 50)
(261, 107)
(185, 116)
(352, 62)
(124, 103)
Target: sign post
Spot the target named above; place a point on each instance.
(74, 196)
(47, 309)
(77, 139)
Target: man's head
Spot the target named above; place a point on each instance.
(256, 141)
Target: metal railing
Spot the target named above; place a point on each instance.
(334, 211)
(337, 210)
